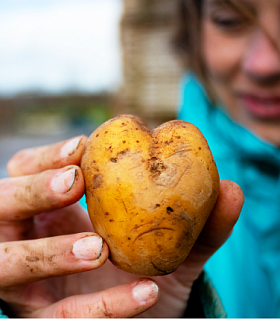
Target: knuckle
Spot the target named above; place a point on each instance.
(71, 308)
(19, 164)
(26, 194)
(39, 259)
(12, 164)
(104, 308)
(67, 309)
(31, 195)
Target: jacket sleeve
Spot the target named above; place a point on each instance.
(2, 316)
(204, 301)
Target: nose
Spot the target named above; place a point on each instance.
(261, 61)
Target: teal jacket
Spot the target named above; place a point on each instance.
(246, 270)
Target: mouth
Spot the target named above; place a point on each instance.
(261, 107)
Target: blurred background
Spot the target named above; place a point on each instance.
(66, 66)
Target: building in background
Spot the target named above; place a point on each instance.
(149, 87)
(151, 72)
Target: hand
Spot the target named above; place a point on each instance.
(41, 264)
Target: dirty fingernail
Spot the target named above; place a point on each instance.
(88, 248)
(70, 147)
(64, 181)
(145, 291)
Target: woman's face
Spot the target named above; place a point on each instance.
(243, 61)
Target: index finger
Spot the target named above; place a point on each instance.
(55, 156)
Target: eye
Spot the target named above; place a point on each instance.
(229, 23)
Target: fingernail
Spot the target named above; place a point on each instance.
(70, 147)
(88, 248)
(145, 291)
(64, 181)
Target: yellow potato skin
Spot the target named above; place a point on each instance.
(149, 192)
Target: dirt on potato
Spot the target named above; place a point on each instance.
(149, 192)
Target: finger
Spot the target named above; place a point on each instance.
(124, 301)
(224, 216)
(23, 197)
(35, 160)
(23, 262)
(219, 225)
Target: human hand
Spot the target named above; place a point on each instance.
(41, 227)
(44, 278)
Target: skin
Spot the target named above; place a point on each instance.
(40, 276)
(242, 58)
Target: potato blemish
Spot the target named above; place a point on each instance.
(149, 192)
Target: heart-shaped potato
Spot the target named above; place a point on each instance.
(149, 192)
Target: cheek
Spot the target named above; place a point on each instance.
(222, 54)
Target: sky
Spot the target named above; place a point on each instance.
(57, 46)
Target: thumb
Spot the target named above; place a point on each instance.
(217, 228)
(222, 220)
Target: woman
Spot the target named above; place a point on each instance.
(47, 244)
(232, 93)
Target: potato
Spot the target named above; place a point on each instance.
(149, 192)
